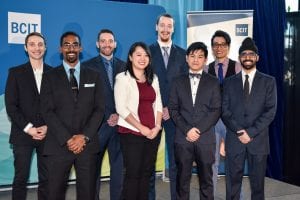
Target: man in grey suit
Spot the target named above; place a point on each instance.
(168, 62)
(195, 107)
(108, 66)
(73, 108)
(248, 108)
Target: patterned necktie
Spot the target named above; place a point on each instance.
(166, 55)
(246, 87)
(220, 73)
(109, 72)
(74, 84)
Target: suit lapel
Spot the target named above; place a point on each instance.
(255, 85)
(30, 78)
(62, 75)
(187, 86)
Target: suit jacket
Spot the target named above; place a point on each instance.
(203, 115)
(127, 98)
(64, 116)
(97, 64)
(22, 101)
(176, 66)
(254, 116)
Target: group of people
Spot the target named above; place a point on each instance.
(72, 113)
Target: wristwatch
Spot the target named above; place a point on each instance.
(86, 139)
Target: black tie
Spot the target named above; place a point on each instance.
(74, 84)
(195, 75)
(246, 87)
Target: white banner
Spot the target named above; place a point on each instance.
(201, 26)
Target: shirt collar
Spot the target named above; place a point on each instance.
(67, 67)
(161, 44)
(225, 62)
(251, 74)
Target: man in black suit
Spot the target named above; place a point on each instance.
(28, 129)
(249, 106)
(168, 62)
(73, 108)
(195, 107)
(108, 67)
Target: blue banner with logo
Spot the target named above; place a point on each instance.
(129, 22)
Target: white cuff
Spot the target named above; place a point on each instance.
(27, 127)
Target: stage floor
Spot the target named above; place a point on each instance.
(274, 190)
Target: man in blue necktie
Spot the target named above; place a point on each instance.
(222, 68)
(108, 66)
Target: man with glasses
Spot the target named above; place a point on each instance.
(249, 106)
(108, 66)
(73, 108)
(222, 68)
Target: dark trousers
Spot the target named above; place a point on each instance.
(109, 139)
(169, 128)
(22, 163)
(204, 156)
(59, 167)
(139, 155)
(235, 167)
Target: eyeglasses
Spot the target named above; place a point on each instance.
(74, 45)
(220, 45)
(248, 54)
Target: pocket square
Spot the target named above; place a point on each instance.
(89, 85)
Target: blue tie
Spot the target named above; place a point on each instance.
(109, 72)
(220, 72)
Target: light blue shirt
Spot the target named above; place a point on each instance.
(76, 73)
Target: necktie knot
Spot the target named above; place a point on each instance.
(220, 72)
(195, 75)
(72, 70)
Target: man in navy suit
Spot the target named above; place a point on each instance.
(249, 106)
(168, 62)
(73, 108)
(28, 129)
(108, 66)
(195, 107)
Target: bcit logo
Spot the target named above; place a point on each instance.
(241, 29)
(20, 25)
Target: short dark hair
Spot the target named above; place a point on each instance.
(34, 34)
(220, 33)
(67, 34)
(148, 70)
(105, 31)
(164, 15)
(197, 46)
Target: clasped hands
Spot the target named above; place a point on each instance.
(38, 133)
(150, 133)
(193, 134)
(244, 137)
(76, 143)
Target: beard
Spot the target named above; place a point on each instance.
(72, 59)
(248, 66)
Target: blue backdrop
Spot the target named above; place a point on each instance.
(130, 23)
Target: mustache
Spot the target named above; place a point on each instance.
(248, 61)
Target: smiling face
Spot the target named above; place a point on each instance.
(139, 58)
(248, 60)
(106, 44)
(196, 60)
(165, 29)
(71, 49)
(35, 47)
(220, 48)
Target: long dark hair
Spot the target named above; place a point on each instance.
(148, 70)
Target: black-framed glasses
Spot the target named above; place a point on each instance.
(248, 54)
(220, 45)
(74, 45)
